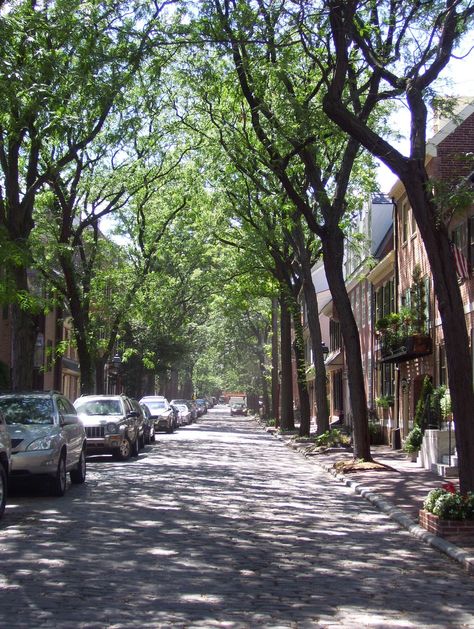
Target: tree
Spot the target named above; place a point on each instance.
(64, 67)
(304, 151)
(404, 47)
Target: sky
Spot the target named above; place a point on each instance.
(460, 77)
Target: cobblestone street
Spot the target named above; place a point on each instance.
(218, 525)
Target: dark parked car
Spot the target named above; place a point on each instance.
(47, 438)
(163, 415)
(201, 406)
(238, 408)
(112, 425)
(149, 424)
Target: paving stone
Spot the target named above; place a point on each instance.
(219, 525)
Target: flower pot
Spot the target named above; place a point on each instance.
(453, 530)
(413, 456)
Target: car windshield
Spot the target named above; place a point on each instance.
(182, 407)
(238, 405)
(157, 405)
(27, 410)
(100, 407)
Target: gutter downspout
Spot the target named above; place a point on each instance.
(396, 406)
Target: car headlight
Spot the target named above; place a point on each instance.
(45, 443)
(112, 428)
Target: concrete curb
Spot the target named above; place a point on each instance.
(451, 550)
(459, 555)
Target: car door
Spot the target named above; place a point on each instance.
(72, 430)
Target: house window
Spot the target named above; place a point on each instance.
(337, 390)
(443, 371)
(459, 238)
(405, 221)
(470, 230)
(385, 300)
(335, 339)
(387, 377)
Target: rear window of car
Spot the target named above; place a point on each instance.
(99, 407)
(27, 410)
(156, 405)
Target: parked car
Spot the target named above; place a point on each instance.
(47, 438)
(184, 412)
(5, 462)
(238, 408)
(201, 405)
(149, 425)
(112, 425)
(194, 410)
(142, 424)
(161, 412)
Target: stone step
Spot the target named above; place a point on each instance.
(446, 460)
(446, 471)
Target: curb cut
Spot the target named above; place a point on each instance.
(464, 558)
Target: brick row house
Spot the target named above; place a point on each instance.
(51, 371)
(391, 291)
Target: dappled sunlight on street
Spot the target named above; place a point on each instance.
(217, 524)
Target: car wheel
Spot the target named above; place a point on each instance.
(170, 429)
(3, 489)
(123, 452)
(78, 476)
(59, 481)
(141, 443)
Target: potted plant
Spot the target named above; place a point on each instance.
(446, 512)
(413, 442)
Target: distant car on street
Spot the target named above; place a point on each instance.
(238, 408)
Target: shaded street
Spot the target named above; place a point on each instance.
(219, 525)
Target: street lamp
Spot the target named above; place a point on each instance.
(113, 373)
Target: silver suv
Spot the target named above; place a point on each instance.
(5, 462)
(47, 438)
(112, 425)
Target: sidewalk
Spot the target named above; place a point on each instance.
(398, 489)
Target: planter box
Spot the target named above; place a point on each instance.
(452, 530)
(407, 348)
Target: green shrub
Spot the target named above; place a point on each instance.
(332, 438)
(414, 439)
(450, 505)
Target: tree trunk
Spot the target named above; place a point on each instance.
(333, 249)
(23, 338)
(275, 363)
(458, 356)
(263, 381)
(298, 348)
(99, 376)
(287, 420)
(312, 310)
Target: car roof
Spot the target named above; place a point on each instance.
(99, 397)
